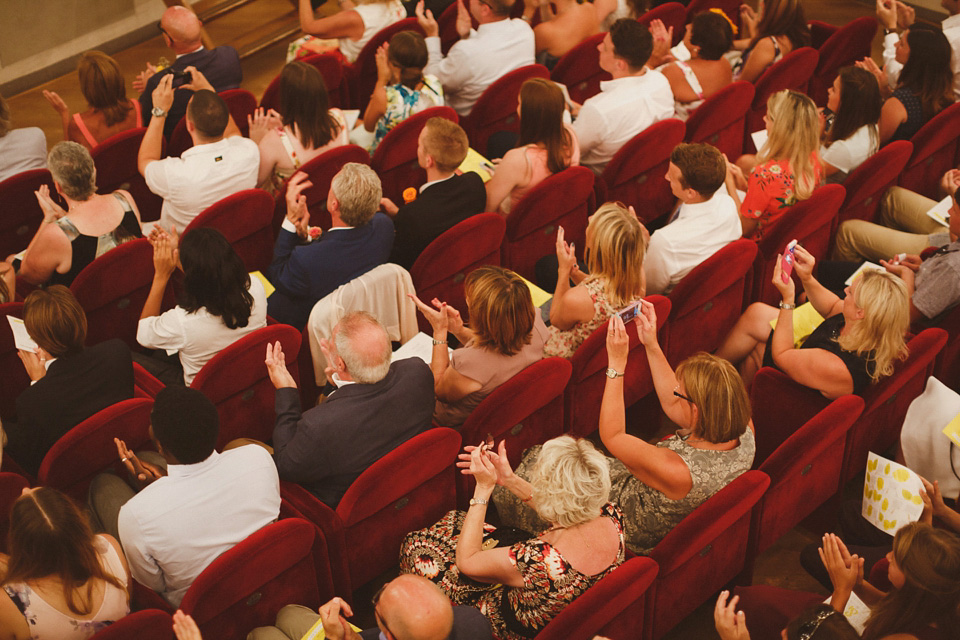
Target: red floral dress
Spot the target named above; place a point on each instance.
(770, 192)
(550, 583)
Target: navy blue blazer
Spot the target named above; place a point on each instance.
(221, 66)
(437, 209)
(305, 273)
(326, 448)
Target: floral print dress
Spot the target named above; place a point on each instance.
(550, 583)
(770, 192)
(564, 342)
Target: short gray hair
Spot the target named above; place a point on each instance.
(363, 344)
(357, 188)
(72, 168)
(570, 481)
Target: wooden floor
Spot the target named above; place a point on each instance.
(779, 565)
(239, 27)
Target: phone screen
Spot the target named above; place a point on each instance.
(629, 313)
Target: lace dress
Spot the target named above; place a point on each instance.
(550, 583)
(648, 514)
(564, 342)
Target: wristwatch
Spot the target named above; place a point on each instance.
(157, 112)
(613, 373)
(474, 501)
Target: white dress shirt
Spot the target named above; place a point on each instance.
(951, 29)
(203, 175)
(200, 335)
(623, 108)
(473, 64)
(700, 230)
(175, 527)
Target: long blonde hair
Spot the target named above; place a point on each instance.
(794, 137)
(615, 252)
(885, 303)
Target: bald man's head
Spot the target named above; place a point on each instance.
(182, 26)
(364, 346)
(413, 608)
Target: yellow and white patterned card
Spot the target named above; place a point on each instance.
(891, 494)
(952, 430)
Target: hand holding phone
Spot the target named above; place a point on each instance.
(786, 261)
(629, 312)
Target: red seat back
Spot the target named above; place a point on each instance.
(948, 364)
(721, 120)
(496, 108)
(21, 212)
(847, 45)
(149, 624)
(329, 66)
(867, 183)
(525, 410)
(246, 220)
(579, 69)
(321, 171)
(564, 199)
(636, 174)
(581, 406)
(702, 553)
(88, 448)
(439, 272)
(408, 489)
(15, 378)
(708, 301)
(793, 71)
(236, 381)
(614, 607)
(672, 14)
(395, 159)
(819, 32)
(804, 467)
(935, 151)
(116, 162)
(11, 487)
(810, 222)
(112, 290)
(361, 76)
(246, 586)
(241, 103)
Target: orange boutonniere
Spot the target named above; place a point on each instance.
(409, 195)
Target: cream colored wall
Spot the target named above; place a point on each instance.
(40, 34)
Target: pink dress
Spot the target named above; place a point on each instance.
(538, 171)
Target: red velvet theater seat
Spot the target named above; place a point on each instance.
(246, 220)
(149, 624)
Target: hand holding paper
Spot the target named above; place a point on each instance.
(891, 494)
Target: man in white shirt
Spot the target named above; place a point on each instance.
(706, 221)
(221, 162)
(203, 504)
(893, 14)
(482, 56)
(636, 98)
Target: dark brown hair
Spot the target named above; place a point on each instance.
(305, 105)
(927, 71)
(702, 167)
(408, 50)
(783, 18)
(101, 83)
(712, 33)
(541, 121)
(49, 536)
(860, 104)
(55, 320)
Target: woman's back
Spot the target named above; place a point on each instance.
(566, 30)
(45, 611)
(90, 128)
(375, 16)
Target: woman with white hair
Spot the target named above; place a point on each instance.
(67, 241)
(522, 583)
(856, 345)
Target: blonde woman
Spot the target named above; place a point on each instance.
(657, 486)
(355, 23)
(786, 170)
(856, 345)
(521, 587)
(614, 256)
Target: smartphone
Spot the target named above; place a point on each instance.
(181, 77)
(786, 261)
(630, 312)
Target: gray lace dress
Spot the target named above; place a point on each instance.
(648, 514)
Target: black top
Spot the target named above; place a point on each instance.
(915, 119)
(825, 337)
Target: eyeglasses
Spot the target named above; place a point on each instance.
(376, 600)
(807, 629)
(161, 29)
(676, 392)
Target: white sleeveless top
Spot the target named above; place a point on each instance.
(682, 110)
(47, 623)
(376, 16)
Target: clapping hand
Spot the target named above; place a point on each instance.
(730, 623)
(464, 21)
(51, 210)
(261, 121)
(140, 82)
(481, 467)
(384, 72)
(185, 627)
(166, 256)
(297, 212)
(566, 255)
(846, 571)
(869, 65)
(427, 22)
(335, 626)
(277, 367)
(57, 103)
(437, 317)
(499, 459)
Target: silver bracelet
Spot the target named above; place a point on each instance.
(786, 306)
